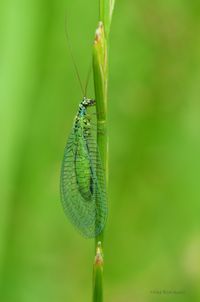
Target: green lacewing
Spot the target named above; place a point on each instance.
(82, 184)
(82, 181)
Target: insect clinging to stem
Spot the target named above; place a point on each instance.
(82, 182)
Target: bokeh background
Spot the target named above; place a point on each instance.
(152, 239)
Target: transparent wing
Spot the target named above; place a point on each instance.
(87, 212)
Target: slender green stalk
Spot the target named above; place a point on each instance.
(98, 275)
(100, 70)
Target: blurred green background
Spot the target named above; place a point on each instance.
(152, 239)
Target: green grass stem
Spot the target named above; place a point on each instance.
(100, 71)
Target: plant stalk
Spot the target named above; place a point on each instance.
(100, 71)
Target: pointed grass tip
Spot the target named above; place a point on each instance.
(98, 33)
(98, 261)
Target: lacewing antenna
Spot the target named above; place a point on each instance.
(72, 56)
(87, 79)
